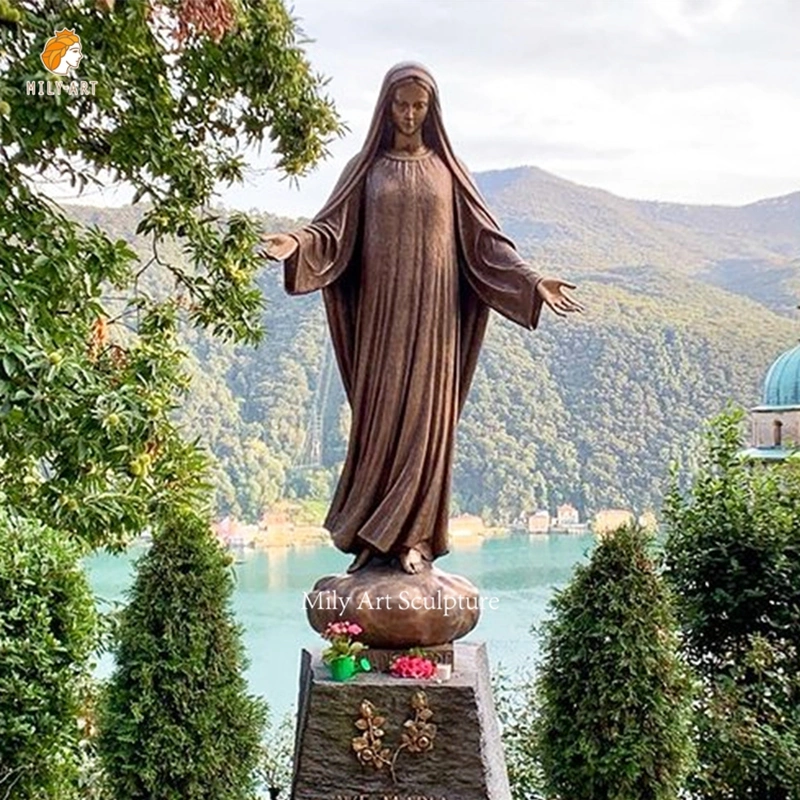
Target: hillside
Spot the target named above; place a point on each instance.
(686, 307)
(750, 250)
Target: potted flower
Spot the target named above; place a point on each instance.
(413, 665)
(343, 653)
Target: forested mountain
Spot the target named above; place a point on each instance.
(686, 308)
(750, 250)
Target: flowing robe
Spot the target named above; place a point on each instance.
(409, 265)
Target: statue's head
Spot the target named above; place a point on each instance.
(62, 52)
(409, 102)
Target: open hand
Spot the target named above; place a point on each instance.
(551, 290)
(278, 246)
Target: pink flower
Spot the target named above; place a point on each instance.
(343, 628)
(413, 667)
(343, 638)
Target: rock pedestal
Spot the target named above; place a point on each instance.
(382, 738)
(395, 609)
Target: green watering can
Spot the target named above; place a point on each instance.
(345, 667)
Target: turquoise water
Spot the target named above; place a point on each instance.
(520, 571)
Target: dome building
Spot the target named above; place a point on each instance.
(775, 424)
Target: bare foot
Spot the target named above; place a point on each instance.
(411, 560)
(361, 560)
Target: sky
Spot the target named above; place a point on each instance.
(690, 101)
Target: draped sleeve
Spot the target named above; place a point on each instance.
(494, 269)
(325, 246)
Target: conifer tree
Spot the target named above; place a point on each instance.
(614, 697)
(177, 721)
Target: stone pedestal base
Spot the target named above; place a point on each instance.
(383, 738)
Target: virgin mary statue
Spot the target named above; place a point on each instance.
(409, 260)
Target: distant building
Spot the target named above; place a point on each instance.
(609, 519)
(567, 516)
(775, 424)
(281, 514)
(539, 521)
(232, 533)
(648, 521)
(466, 525)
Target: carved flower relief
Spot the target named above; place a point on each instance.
(418, 736)
(419, 701)
(368, 755)
(419, 733)
(368, 746)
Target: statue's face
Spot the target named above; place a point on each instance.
(409, 107)
(73, 55)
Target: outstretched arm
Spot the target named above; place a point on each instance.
(317, 255)
(279, 246)
(551, 290)
(500, 276)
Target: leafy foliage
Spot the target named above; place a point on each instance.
(87, 436)
(90, 369)
(277, 756)
(733, 555)
(48, 630)
(516, 703)
(614, 699)
(748, 727)
(177, 721)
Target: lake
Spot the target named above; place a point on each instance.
(521, 571)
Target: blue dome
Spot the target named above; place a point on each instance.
(782, 384)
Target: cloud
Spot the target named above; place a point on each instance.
(689, 17)
(686, 100)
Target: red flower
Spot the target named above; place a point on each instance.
(413, 667)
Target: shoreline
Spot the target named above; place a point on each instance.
(319, 537)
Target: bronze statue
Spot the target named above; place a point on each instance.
(409, 260)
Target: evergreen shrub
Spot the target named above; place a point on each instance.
(614, 698)
(48, 632)
(177, 722)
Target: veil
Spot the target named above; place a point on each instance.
(436, 138)
(473, 223)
